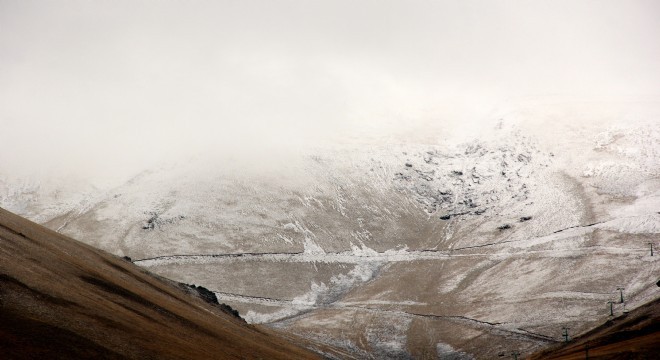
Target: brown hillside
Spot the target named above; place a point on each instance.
(635, 335)
(61, 299)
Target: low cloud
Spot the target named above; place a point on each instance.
(108, 88)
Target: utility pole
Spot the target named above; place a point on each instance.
(620, 288)
(565, 333)
(515, 355)
(586, 350)
(611, 310)
(651, 248)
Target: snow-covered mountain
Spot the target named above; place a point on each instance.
(469, 245)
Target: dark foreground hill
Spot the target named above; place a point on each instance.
(635, 335)
(61, 299)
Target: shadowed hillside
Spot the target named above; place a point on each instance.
(61, 299)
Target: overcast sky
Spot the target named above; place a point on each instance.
(109, 86)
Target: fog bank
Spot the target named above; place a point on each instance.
(107, 88)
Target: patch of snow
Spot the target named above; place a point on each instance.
(318, 295)
(446, 351)
(312, 248)
(644, 224)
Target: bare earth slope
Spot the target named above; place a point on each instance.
(61, 299)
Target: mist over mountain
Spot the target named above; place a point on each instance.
(494, 242)
(108, 90)
(390, 179)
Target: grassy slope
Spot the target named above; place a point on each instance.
(62, 299)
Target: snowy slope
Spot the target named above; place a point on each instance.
(471, 245)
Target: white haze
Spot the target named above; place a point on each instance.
(107, 88)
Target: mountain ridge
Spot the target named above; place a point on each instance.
(462, 248)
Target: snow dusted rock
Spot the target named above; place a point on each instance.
(391, 250)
